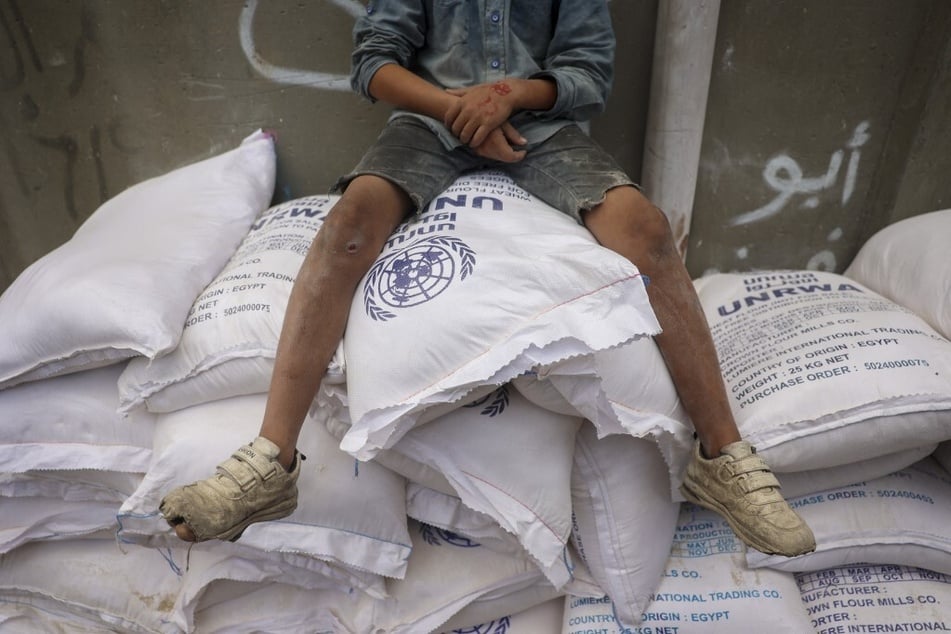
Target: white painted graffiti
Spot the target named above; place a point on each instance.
(291, 76)
(785, 176)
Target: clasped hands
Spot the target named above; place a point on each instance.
(480, 119)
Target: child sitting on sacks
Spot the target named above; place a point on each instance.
(476, 84)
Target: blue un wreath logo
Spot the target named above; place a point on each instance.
(415, 275)
(494, 403)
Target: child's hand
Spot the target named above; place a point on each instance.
(479, 110)
(500, 145)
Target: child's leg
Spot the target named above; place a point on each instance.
(575, 175)
(343, 251)
(627, 223)
(725, 474)
(259, 481)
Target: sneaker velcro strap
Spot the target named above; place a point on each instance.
(235, 470)
(242, 468)
(264, 467)
(759, 480)
(748, 464)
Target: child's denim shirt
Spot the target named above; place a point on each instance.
(457, 43)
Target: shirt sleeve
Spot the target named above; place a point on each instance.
(580, 60)
(390, 32)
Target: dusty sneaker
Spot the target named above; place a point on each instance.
(250, 486)
(740, 486)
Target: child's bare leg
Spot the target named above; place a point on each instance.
(724, 474)
(627, 223)
(343, 251)
(259, 481)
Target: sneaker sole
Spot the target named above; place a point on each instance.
(272, 513)
(234, 533)
(713, 505)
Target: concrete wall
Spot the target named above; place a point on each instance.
(97, 95)
(825, 122)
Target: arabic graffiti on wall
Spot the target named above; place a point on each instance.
(783, 174)
(793, 189)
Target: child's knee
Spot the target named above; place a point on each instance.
(351, 236)
(634, 214)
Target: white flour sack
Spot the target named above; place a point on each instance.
(821, 371)
(796, 483)
(71, 485)
(942, 454)
(510, 460)
(448, 513)
(903, 518)
(276, 594)
(623, 390)
(28, 519)
(230, 337)
(541, 619)
(88, 585)
(236, 607)
(70, 423)
(908, 263)
(348, 516)
(624, 519)
(876, 598)
(455, 583)
(123, 284)
(706, 589)
(487, 283)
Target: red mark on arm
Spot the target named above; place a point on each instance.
(501, 88)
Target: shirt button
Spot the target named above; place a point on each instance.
(495, 17)
(495, 63)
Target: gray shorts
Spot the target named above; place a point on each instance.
(569, 171)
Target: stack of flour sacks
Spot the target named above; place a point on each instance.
(496, 446)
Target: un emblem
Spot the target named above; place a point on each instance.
(415, 274)
(494, 403)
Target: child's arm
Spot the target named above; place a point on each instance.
(402, 88)
(580, 60)
(483, 108)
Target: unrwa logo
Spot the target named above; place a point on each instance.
(415, 274)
